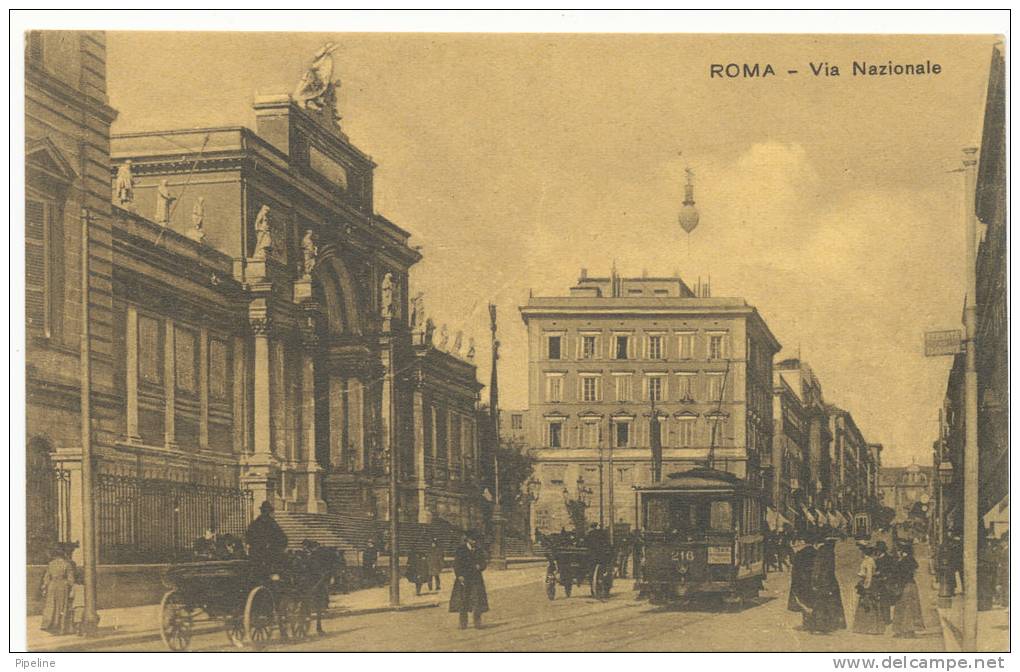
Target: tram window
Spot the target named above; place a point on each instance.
(656, 515)
(720, 517)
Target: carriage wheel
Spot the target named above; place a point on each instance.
(234, 627)
(598, 583)
(259, 612)
(297, 618)
(550, 585)
(175, 622)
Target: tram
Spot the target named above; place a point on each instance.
(703, 534)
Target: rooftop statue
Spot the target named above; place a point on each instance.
(317, 90)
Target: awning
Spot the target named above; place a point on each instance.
(772, 518)
(808, 515)
(835, 520)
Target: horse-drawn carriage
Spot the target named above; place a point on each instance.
(251, 598)
(573, 562)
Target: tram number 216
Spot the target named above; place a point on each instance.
(683, 556)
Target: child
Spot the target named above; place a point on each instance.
(77, 602)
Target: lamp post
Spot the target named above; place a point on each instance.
(970, 451)
(533, 488)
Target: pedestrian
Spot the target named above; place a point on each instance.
(868, 616)
(56, 591)
(77, 603)
(469, 594)
(321, 563)
(416, 570)
(1002, 569)
(435, 565)
(885, 568)
(623, 545)
(369, 557)
(801, 597)
(638, 549)
(827, 614)
(907, 616)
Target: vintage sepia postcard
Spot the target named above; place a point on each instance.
(532, 341)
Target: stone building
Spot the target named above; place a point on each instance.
(815, 477)
(901, 488)
(849, 464)
(790, 450)
(601, 359)
(252, 338)
(67, 141)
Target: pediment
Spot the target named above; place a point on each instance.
(43, 155)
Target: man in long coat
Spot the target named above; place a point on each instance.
(435, 564)
(469, 594)
(828, 612)
(801, 595)
(266, 541)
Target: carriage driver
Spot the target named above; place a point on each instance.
(266, 541)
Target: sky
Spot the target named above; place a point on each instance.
(829, 203)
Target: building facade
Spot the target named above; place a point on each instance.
(618, 352)
(903, 488)
(252, 338)
(815, 477)
(790, 451)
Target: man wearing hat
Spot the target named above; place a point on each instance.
(885, 569)
(266, 541)
(469, 594)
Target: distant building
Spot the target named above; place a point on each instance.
(603, 357)
(816, 470)
(901, 488)
(790, 451)
(849, 463)
(513, 425)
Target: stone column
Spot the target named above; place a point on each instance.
(419, 454)
(337, 422)
(131, 383)
(263, 408)
(313, 470)
(169, 386)
(240, 405)
(203, 388)
(356, 421)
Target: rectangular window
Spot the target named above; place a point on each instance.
(517, 421)
(715, 386)
(685, 432)
(624, 387)
(655, 347)
(590, 388)
(622, 347)
(219, 367)
(685, 386)
(554, 387)
(717, 430)
(555, 434)
(185, 360)
(554, 347)
(717, 346)
(655, 388)
(686, 345)
(37, 264)
(554, 473)
(622, 435)
(588, 346)
(150, 350)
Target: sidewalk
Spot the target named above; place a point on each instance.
(993, 628)
(141, 624)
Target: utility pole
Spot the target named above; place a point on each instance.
(970, 451)
(88, 540)
(498, 558)
(602, 489)
(612, 503)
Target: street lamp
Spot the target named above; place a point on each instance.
(945, 473)
(533, 488)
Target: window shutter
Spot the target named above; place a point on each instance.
(35, 264)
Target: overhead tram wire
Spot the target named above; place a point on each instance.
(187, 182)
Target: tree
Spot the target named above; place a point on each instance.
(515, 469)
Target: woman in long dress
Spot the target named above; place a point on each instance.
(828, 609)
(868, 615)
(56, 589)
(907, 617)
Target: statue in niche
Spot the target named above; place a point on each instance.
(417, 312)
(444, 337)
(124, 185)
(310, 252)
(458, 342)
(471, 349)
(197, 232)
(430, 329)
(263, 234)
(387, 297)
(317, 89)
(164, 203)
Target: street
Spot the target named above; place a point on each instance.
(522, 619)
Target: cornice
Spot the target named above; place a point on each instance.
(68, 95)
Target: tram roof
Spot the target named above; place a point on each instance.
(697, 479)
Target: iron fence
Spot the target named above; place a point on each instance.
(146, 520)
(48, 510)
